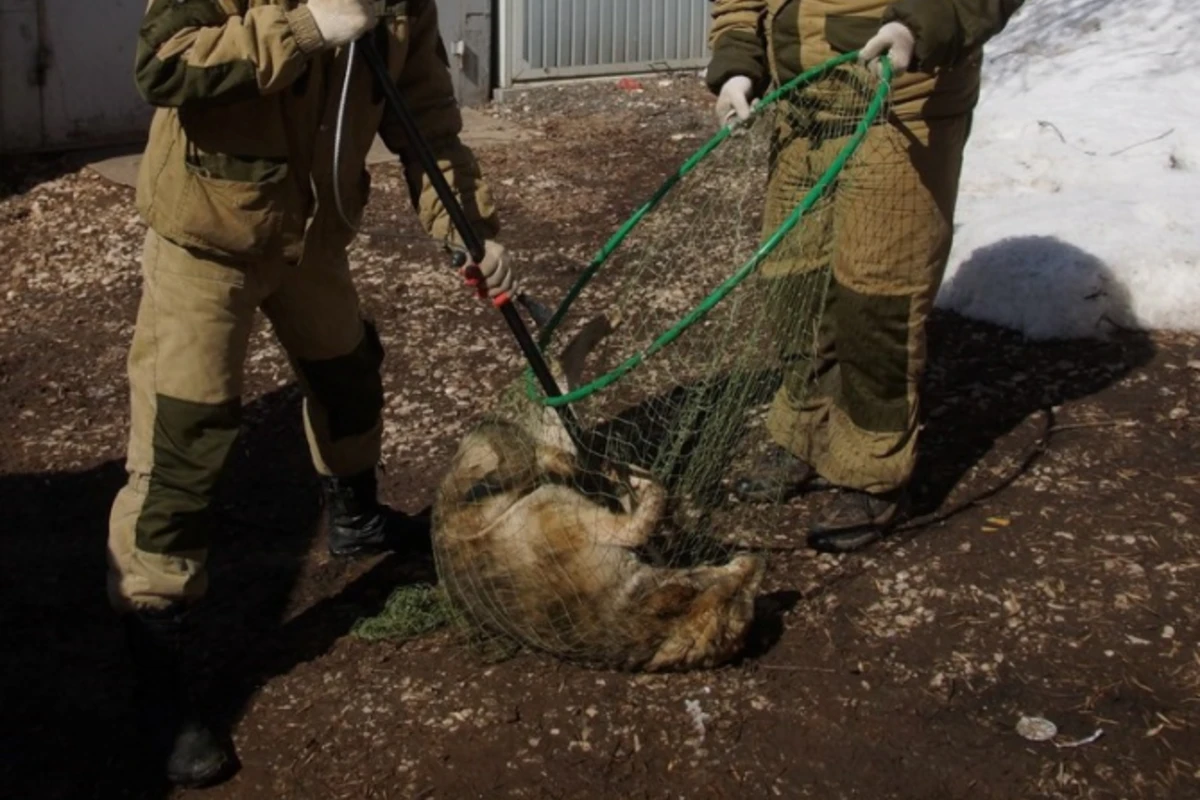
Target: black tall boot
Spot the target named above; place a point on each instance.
(176, 738)
(359, 524)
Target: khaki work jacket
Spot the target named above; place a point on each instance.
(241, 147)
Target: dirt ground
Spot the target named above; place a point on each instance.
(1068, 590)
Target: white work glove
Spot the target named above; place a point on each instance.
(897, 40)
(734, 99)
(342, 21)
(491, 277)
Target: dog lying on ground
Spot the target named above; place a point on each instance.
(536, 541)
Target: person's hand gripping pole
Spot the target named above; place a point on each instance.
(492, 268)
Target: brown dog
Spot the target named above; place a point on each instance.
(532, 545)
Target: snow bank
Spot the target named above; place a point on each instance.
(1081, 190)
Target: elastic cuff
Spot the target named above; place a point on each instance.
(304, 28)
(736, 53)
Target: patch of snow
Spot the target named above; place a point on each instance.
(1077, 204)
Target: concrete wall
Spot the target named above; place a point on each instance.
(546, 40)
(66, 74)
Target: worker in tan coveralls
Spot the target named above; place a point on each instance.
(237, 188)
(847, 412)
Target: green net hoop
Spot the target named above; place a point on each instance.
(610, 247)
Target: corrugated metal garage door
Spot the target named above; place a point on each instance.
(574, 38)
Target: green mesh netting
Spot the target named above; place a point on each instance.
(630, 554)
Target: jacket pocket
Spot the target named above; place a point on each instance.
(235, 206)
(239, 169)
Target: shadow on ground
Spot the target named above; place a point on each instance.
(984, 381)
(65, 730)
(64, 686)
(20, 173)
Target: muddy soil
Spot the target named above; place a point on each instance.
(1055, 572)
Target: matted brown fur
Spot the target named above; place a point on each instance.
(533, 545)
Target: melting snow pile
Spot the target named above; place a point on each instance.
(1077, 211)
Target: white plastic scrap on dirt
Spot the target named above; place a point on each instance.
(1036, 729)
(1040, 729)
(698, 717)
(1080, 742)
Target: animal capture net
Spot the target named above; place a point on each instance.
(717, 288)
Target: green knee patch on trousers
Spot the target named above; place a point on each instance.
(873, 352)
(349, 387)
(191, 445)
(808, 352)
(794, 303)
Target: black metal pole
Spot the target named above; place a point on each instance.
(458, 217)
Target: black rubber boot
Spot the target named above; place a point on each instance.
(177, 739)
(359, 524)
(776, 477)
